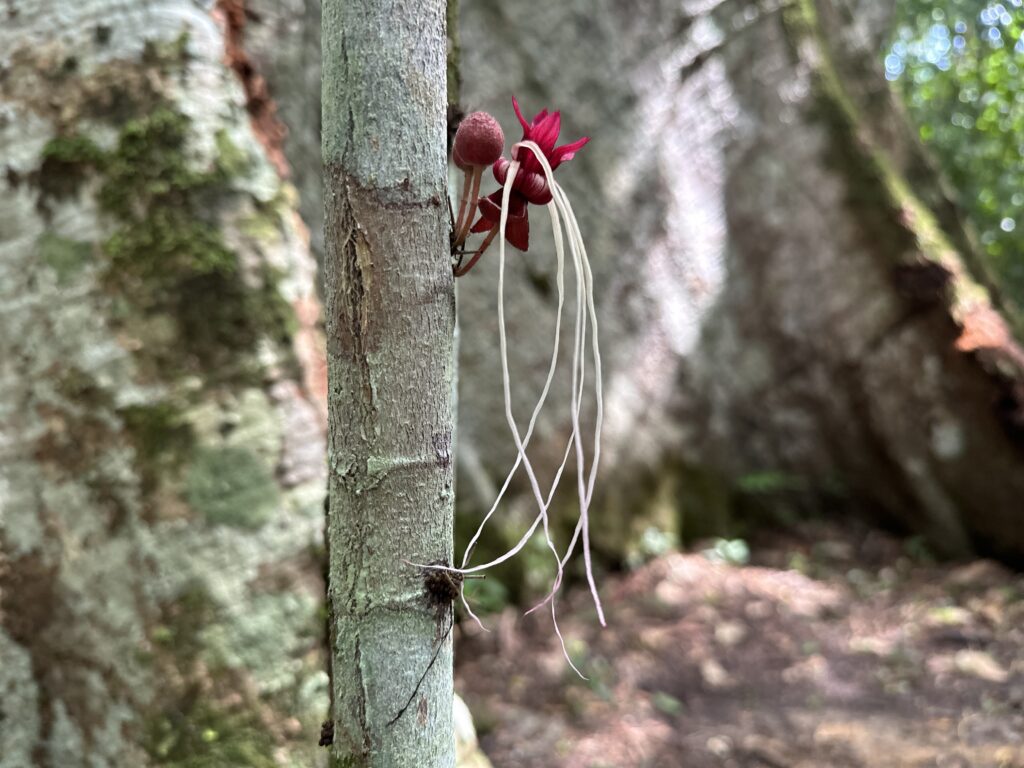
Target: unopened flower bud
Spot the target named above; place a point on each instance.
(479, 141)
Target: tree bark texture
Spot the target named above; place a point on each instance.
(162, 400)
(390, 321)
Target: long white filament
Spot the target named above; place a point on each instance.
(579, 251)
(576, 240)
(556, 227)
(560, 210)
(503, 345)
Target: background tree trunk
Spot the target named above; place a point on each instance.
(789, 302)
(162, 399)
(390, 321)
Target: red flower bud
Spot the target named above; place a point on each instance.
(479, 140)
(530, 185)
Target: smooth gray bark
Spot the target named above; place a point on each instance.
(390, 320)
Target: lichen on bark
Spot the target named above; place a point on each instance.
(152, 269)
(166, 254)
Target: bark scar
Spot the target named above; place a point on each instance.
(364, 727)
(358, 272)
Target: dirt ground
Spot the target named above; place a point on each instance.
(838, 647)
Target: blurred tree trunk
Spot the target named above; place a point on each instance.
(390, 302)
(162, 399)
(791, 306)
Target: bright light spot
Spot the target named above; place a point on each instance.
(893, 66)
(1007, 224)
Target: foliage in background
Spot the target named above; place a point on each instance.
(958, 64)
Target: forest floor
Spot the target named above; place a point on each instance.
(832, 648)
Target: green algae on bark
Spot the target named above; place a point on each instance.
(166, 253)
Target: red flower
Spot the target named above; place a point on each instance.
(544, 132)
(530, 185)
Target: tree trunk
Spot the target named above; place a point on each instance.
(390, 320)
(162, 400)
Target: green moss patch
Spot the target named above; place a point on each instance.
(231, 486)
(204, 736)
(166, 254)
(65, 256)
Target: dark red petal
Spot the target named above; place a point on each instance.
(517, 226)
(519, 114)
(516, 206)
(517, 232)
(547, 134)
(490, 207)
(534, 187)
(566, 152)
(500, 170)
(540, 134)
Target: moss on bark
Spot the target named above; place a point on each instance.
(231, 486)
(166, 254)
(157, 326)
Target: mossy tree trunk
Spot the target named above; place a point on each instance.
(162, 400)
(390, 321)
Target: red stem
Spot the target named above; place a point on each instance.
(462, 227)
(466, 174)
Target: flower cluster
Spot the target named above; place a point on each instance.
(528, 178)
(475, 141)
